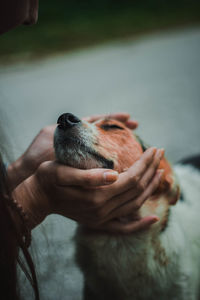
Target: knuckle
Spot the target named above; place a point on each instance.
(137, 205)
(41, 171)
(88, 178)
(133, 180)
(145, 164)
(89, 199)
(136, 179)
(96, 199)
(141, 186)
(155, 182)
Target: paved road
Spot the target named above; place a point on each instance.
(156, 79)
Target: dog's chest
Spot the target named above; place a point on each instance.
(123, 267)
(143, 267)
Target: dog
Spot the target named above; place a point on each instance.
(162, 262)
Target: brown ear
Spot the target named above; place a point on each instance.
(169, 184)
(174, 194)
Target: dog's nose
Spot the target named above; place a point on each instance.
(67, 120)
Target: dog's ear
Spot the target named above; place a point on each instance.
(174, 193)
(169, 183)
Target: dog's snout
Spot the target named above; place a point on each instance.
(67, 120)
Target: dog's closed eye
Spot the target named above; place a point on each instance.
(111, 126)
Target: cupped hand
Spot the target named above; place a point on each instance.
(97, 198)
(40, 150)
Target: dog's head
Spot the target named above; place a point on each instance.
(106, 143)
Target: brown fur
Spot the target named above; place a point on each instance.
(123, 147)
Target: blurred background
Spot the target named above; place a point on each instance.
(67, 25)
(88, 57)
(94, 56)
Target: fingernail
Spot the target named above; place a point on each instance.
(154, 219)
(160, 173)
(152, 150)
(162, 150)
(110, 177)
(160, 153)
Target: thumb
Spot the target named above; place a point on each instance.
(86, 178)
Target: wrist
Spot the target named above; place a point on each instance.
(31, 197)
(18, 171)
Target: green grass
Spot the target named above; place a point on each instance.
(66, 25)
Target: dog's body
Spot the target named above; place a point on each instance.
(152, 264)
(160, 263)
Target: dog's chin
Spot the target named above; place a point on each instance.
(76, 153)
(77, 158)
(80, 163)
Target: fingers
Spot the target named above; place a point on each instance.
(122, 117)
(68, 176)
(150, 188)
(152, 169)
(135, 203)
(124, 203)
(116, 227)
(131, 178)
(129, 194)
(131, 124)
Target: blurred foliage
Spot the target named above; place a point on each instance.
(65, 25)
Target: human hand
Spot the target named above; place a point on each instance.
(41, 149)
(85, 196)
(122, 117)
(129, 193)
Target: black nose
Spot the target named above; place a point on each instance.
(67, 120)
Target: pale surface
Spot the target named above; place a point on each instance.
(156, 79)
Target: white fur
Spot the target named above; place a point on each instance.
(148, 265)
(74, 153)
